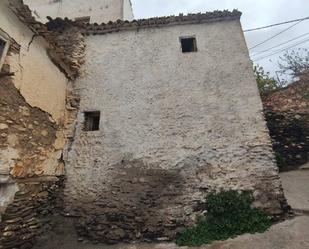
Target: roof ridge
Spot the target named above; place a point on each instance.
(154, 22)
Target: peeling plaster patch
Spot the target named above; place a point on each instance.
(28, 138)
(51, 166)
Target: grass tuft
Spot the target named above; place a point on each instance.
(229, 214)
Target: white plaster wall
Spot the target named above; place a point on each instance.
(42, 85)
(143, 83)
(198, 114)
(38, 79)
(127, 10)
(98, 10)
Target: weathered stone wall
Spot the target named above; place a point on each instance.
(290, 136)
(98, 10)
(68, 47)
(27, 136)
(37, 110)
(35, 203)
(287, 115)
(173, 128)
(38, 103)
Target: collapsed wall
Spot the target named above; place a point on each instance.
(37, 114)
(28, 136)
(27, 141)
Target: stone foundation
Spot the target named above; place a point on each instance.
(138, 201)
(29, 215)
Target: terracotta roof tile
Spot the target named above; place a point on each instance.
(155, 22)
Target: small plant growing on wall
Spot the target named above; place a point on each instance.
(229, 214)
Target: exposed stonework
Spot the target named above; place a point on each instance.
(293, 98)
(27, 136)
(29, 215)
(37, 115)
(68, 50)
(287, 114)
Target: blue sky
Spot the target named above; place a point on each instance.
(255, 14)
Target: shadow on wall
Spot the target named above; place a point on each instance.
(135, 205)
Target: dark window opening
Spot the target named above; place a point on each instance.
(92, 121)
(188, 44)
(2, 46)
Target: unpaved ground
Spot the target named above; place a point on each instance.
(291, 234)
(296, 188)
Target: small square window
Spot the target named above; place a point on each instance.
(92, 121)
(188, 44)
(2, 47)
(3, 51)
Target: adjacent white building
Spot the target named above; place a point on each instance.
(97, 10)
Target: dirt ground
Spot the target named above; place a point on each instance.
(296, 188)
(291, 234)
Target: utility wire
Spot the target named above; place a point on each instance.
(276, 24)
(272, 37)
(266, 50)
(279, 51)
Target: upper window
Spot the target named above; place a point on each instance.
(188, 44)
(2, 46)
(3, 50)
(92, 121)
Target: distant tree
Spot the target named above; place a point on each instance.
(265, 82)
(295, 63)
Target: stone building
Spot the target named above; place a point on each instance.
(169, 111)
(144, 119)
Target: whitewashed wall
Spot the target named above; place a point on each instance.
(38, 79)
(127, 10)
(40, 90)
(173, 127)
(98, 10)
